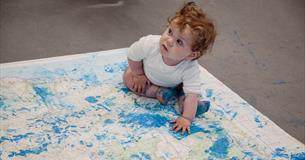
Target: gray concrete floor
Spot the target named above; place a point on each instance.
(259, 52)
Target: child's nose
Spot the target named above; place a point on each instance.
(170, 42)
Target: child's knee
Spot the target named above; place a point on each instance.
(127, 79)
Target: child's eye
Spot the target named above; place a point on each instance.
(170, 31)
(180, 42)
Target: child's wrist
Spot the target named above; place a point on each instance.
(138, 73)
(189, 119)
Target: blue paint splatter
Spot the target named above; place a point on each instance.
(100, 137)
(56, 129)
(260, 123)
(81, 142)
(220, 147)
(234, 158)
(298, 156)
(123, 65)
(108, 68)
(216, 127)
(43, 93)
(125, 90)
(108, 121)
(91, 99)
(140, 156)
(280, 152)
(209, 93)
(38, 150)
(144, 120)
(89, 79)
(89, 144)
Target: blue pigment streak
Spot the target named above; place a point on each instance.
(216, 127)
(78, 114)
(298, 156)
(140, 156)
(15, 138)
(280, 152)
(24, 152)
(209, 93)
(43, 93)
(91, 99)
(220, 147)
(145, 120)
(247, 154)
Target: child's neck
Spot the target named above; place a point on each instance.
(170, 62)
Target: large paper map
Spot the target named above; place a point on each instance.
(76, 107)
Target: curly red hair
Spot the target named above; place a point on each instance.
(202, 28)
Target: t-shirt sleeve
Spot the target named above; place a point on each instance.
(191, 79)
(139, 49)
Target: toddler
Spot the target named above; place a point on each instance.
(157, 64)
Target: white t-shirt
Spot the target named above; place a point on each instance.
(159, 73)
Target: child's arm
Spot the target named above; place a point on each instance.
(189, 112)
(139, 78)
(136, 67)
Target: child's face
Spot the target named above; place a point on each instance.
(175, 46)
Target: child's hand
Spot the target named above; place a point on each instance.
(181, 123)
(139, 83)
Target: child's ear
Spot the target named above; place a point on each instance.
(193, 55)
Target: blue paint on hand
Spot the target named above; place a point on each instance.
(194, 129)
